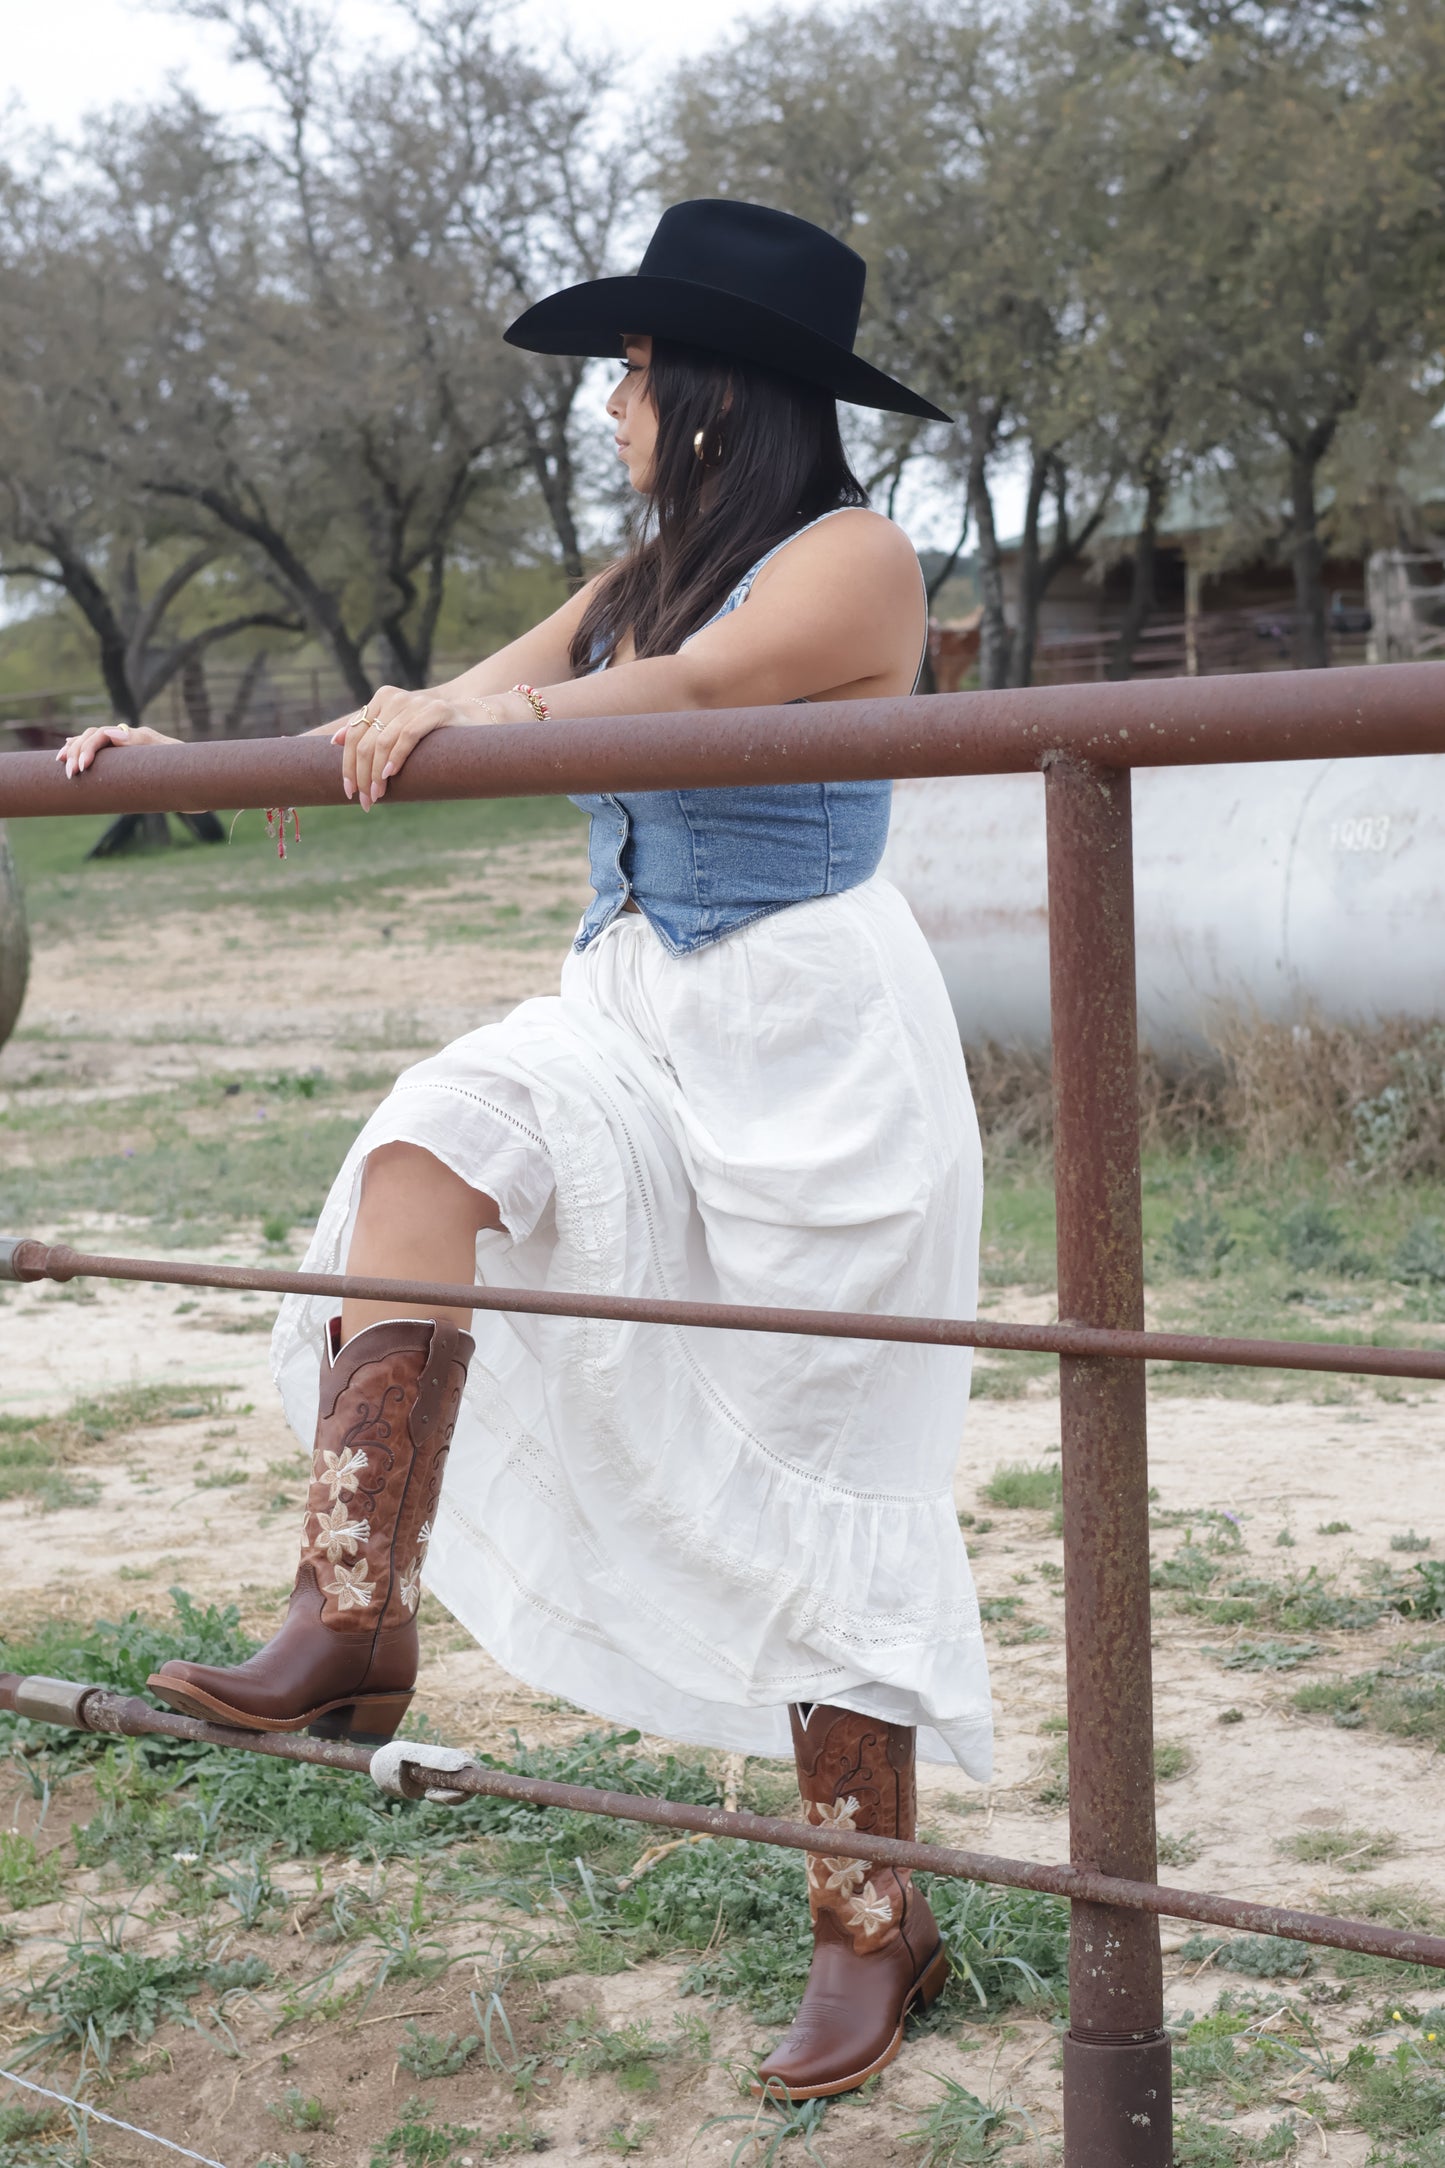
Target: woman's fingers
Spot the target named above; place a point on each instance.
(356, 739)
(350, 738)
(376, 744)
(78, 752)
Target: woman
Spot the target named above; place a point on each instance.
(749, 1089)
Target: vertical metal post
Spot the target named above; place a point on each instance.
(1117, 2098)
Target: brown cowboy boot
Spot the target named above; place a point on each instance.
(876, 1947)
(344, 1663)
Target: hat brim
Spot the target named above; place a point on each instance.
(592, 318)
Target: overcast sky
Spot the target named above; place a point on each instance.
(60, 59)
(66, 57)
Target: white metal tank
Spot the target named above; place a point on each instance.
(1289, 888)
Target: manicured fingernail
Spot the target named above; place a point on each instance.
(348, 786)
(387, 771)
(365, 803)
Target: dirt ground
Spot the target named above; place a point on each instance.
(101, 1021)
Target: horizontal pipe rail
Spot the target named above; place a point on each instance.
(22, 1258)
(100, 1709)
(1173, 722)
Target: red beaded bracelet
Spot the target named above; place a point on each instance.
(535, 702)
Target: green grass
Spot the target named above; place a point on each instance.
(1017, 1483)
(1202, 1584)
(25, 1878)
(38, 1452)
(121, 1653)
(104, 1994)
(1261, 1957)
(415, 2141)
(300, 2111)
(1201, 2144)
(23, 2138)
(1400, 2095)
(345, 860)
(434, 2055)
(1353, 1850)
(1300, 1253)
(958, 2129)
(194, 1180)
(1404, 1699)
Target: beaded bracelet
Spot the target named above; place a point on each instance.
(535, 702)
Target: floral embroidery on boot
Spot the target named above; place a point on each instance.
(850, 1784)
(338, 1535)
(342, 1471)
(352, 1588)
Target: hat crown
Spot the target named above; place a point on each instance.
(763, 256)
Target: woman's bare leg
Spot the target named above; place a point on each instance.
(416, 1221)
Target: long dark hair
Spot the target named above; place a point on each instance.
(772, 459)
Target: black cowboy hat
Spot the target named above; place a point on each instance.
(754, 284)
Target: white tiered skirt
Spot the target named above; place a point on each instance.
(686, 1530)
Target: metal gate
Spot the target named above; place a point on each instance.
(1086, 740)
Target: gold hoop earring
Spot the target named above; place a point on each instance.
(697, 446)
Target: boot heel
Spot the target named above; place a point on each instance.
(934, 1980)
(370, 1720)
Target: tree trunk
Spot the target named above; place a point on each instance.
(317, 604)
(1140, 606)
(94, 605)
(133, 832)
(196, 697)
(993, 648)
(1031, 583)
(14, 942)
(549, 454)
(1311, 632)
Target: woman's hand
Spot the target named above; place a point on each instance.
(78, 752)
(377, 743)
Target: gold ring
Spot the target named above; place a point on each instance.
(367, 721)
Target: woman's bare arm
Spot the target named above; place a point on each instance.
(840, 612)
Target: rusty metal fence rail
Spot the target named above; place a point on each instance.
(1085, 740)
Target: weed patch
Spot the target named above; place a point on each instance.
(1422, 1594)
(23, 2133)
(415, 2141)
(104, 1994)
(121, 1653)
(1005, 1946)
(429, 2055)
(1261, 1957)
(1353, 1850)
(959, 2129)
(1017, 1483)
(1405, 1700)
(1311, 1239)
(1400, 2095)
(25, 1878)
(38, 1452)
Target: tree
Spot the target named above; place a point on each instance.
(1326, 210)
(928, 137)
(71, 348)
(329, 299)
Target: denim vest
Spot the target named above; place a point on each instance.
(701, 863)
